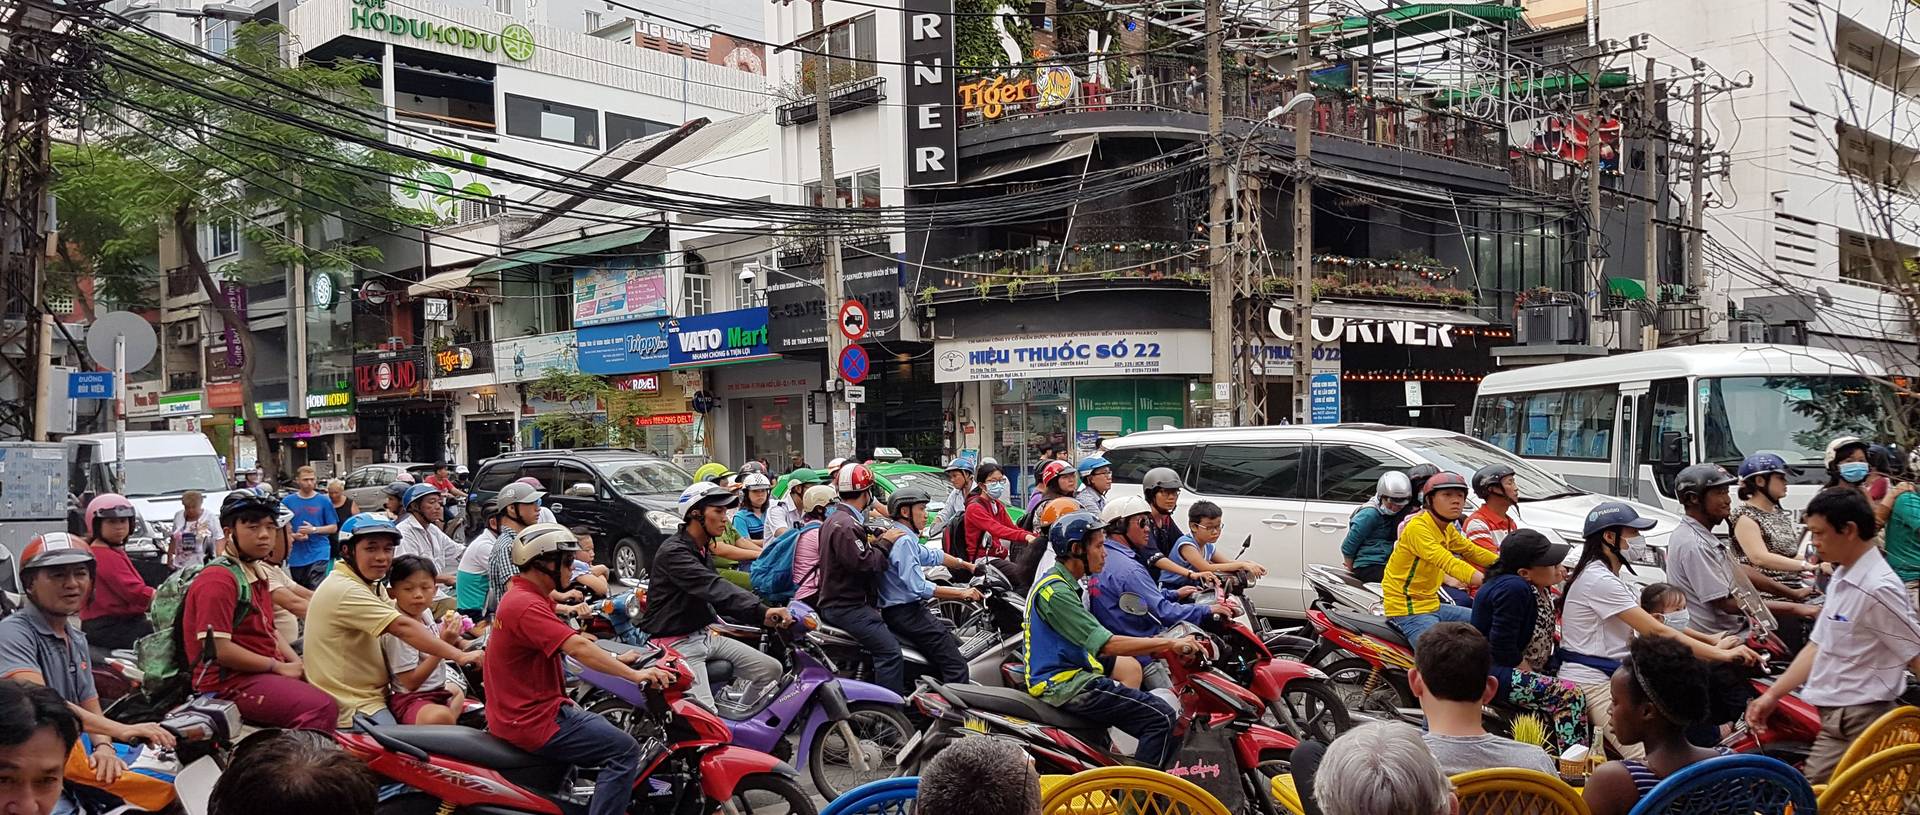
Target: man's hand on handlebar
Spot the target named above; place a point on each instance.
(779, 617)
(1741, 654)
(1211, 579)
(150, 733)
(653, 677)
(973, 595)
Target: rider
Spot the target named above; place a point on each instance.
(1767, 533)
(250, 664)
(1703, 566)
(396, 508)
(752, 517)
(1195, 550)
(349, 612)
(685, 595)
(987, 528)
(1417, 476)
(1370, 539)
(959, 475)
(851, 562)
(1161, 486)
(117, 613)
(519, 508)
(1057, 480)
(786, 512)
(1067, 652)
(904, 590)
(1096, 478)
(525, 674)
(421, 535)
(1499, 494)
(442, 480)
(1127, 526)
(1431, 546)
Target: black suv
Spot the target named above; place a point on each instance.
(627, 497)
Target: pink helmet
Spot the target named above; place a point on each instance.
(531, 482)
(107, 505)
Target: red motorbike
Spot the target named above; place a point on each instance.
(698, 772)
(1299, 697)
(1370, 661)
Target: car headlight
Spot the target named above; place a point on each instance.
(666, 522)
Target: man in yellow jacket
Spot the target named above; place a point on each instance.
(1432, 547)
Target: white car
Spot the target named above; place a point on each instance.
(1292, 488)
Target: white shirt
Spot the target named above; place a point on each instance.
(780, 515)
(1591, 624)
(429, 542)
(402, 658)
(1867, 633)
(474, 560)
(546, 516)
(206, 532)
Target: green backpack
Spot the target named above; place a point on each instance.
(161, 655)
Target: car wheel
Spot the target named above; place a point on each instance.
(626, 562)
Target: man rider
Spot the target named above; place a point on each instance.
(519, 507)
(959, 473)
(1067, 651)
(1703, 566)
(421, 535)
(395, 508)
(1127, 534)
(785, 513)
(904, 590)
(1431, 547)
(525, 674)
(349, 612)
(1489, 524)
(1096, 478)
(686, 594)
(1161, 486)
(851, 562)
(42, 644)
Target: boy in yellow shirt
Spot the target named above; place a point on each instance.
(1431, 547)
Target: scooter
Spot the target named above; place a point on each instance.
(1298, 696)
(989, 633)
(694, 772)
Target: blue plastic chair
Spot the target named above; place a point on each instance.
(888, 796)
(1731, 785)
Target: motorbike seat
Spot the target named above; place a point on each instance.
(466, 744)
(1372, 625)
(719, 673)
(1020, 704)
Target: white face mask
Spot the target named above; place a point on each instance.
(1677, 620)
(997, 489)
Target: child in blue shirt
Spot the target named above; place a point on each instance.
(1195, 550)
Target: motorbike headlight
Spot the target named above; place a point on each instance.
(634, 611)
(666, 522)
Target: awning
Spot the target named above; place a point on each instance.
(1397, 186)
(1373, 311)
(441, 282)
(561, 251)
(1077, 148)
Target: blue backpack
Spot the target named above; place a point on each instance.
(772, 571)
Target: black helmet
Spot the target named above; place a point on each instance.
(240, 501)
(1418, 474)
(906, 497)
(1488, 477)
(1699, 478)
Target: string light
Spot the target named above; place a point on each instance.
(1454, 376)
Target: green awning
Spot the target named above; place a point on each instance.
(1418, 18)
(1544, 86)
(1627, 287)
(561, 251)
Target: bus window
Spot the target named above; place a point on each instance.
(1662, 419)
(1790, 416)
(1495, 419)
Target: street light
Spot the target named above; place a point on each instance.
(230, 12)
(1283, 109)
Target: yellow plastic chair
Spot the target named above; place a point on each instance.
(1128, 791)
(1513, 791)
(1885, 783)
(1286, 793)
(1900, 726)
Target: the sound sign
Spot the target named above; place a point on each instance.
(390, 374)
(933, 128)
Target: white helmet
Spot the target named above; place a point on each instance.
(540, 540)
(817, 496)
(756, 481)
(705, 493)
(1126, 507)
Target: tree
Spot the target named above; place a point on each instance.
(597, 413)
(190, 141)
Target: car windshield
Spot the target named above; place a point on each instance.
(931, 483)
(148, 477)
(1793, 417)
(1464, 454)
(644, 477)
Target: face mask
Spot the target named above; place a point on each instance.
(997, 489)
(1677, 620)
(1853, 472)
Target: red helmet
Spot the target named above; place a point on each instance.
(853, 478)
(1053, 470)
(1443, 481)
(107, 505)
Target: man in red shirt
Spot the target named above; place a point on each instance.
(526, 683)
(250, 664)
(442, 480)
(1489, 524)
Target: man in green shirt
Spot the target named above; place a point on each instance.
(1065, 647)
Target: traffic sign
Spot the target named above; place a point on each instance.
(141, 342)
(853, 364)
(90, 385)
(856, 394)
(854, 319)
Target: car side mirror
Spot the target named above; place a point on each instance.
(581, 491)
(1673, 448)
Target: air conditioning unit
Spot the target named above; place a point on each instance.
(1747, 330)
(183, 332)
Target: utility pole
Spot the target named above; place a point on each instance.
(35, 59)
(1303, 221)
(840, 422)
(1696, 195)
(1592, 277)
(1220, 260)
(1649, 134)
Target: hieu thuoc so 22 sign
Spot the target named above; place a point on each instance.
(1080, 353)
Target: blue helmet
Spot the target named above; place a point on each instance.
(1611, 514)
(1091, 463)
(1071, 529)
(368, 523)
(417, 492)
(1762, 464)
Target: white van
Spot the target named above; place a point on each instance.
(1293, 488)
(160, 467)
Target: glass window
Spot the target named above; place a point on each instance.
(172, 475)
(644, 477)
(868, 185)
(1496, 418)
(552, 121)
(1793, 417)
(1348, 474)
(568, 476)
(358, 478)
(696, 285)
(626, 128)
(1586, 429)
(593, 24)
(216, 36)
(1266, 471)
(1463, 455)
(495, 479)
(1540, 425)
(222, 238)
(1665, 417)
(1130, 464)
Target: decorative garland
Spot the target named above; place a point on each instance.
(1429, 272)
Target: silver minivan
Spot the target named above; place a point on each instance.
(1294, 487)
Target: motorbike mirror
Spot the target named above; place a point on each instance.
(1244, 546)
(1130, 603)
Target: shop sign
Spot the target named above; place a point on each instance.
(771, 423)
(618, 290)
(524, 359)
(143, 399)
(1109, 407)
(463, 360)
(663, 420)
(1082, 353)
(514, 40)
(181, 404)
(218, 368)
(235, 295)
(620, 348)
(326, 426)
(933, 128)
(993, 95)
(1364, 330)
(331, 401)
(644, 384)
(1277, 360)
(390, 374)
(722, 338)
(1323, 398)
(184, 424)
(797, 304)
(325, 289)
(224, 395)
(276, 409)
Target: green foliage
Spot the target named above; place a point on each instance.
(976, 41)
(109, 243)
(583, 423)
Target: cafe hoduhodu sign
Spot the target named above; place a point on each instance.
(933, 131)
(514, 41)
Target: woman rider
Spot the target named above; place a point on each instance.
(1515, 609)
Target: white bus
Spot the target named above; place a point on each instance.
(1625, 425)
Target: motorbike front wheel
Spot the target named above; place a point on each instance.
(767, 794)
(879, 733)
(1316, 710)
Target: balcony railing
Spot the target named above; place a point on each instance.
(845, 96)
(182, 282)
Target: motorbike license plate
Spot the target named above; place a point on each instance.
(900, 758)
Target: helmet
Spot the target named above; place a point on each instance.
(403, 477)
(107, 505)
(1762, 464)
(703, 494)
(1160, 478)
(240, 501)
(1881, 457)
(1699, 478)
(530, 481)
(1442, 481)
(461, 470)
(961, 464)
(540, 540)
(756, 481)
(1053, 470)
(1052, 511)
(1394, 486)
(1837, 448)
(817, 496)
(1071, 529)
(836, 464)
(753, 467)
(364, 524)
(1126, 507)
(53, 549)
(284, 517)
(516, 493)
(853, 478)
(1091, 463)
(906, 497)
(1611, 514)
(1488, 477)
(804, 475)
(1417, 476)
(417, 492)
(398, 488)
(710, 471)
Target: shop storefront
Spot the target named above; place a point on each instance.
(330, 424)
(661, 404)
(143, 406)
(773, 411)
(463, 375)
(398, 422)
(1399, 365)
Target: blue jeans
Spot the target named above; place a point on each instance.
(586, 739)
(865, 625)
(1137, 714)
(1413, 625)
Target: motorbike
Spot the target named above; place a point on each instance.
(988, 632)
(1223, 747)
(1367, 661)
(1298, 696)
(696, 771)
(204, 731)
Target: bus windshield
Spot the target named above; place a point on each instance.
(1792, 417)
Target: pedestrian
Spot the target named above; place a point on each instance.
(343, 504)
(293, 772)
(37, 730)
(1659, 692)
(313, 526)
(1451, 678)
(1382, 768)
(196, 532)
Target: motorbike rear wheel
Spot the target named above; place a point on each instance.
(881, 731)
(1315, 708)
(1382, 700)
(767, 794)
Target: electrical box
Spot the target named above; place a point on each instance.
(1551, 324)
(33, 498)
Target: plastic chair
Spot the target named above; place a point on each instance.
(887, 796)
(1901, 726)
(1127, 791)
(1286, 793)
(1731, 785)
(1885, 783)
(1513, 791)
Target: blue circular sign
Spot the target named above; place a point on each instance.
(853, 364)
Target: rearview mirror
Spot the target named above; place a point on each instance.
(1130, 603)
(1673, 448)
(580, 491)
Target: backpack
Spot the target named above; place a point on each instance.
(772, 571)
(161, 655)
(954, 536)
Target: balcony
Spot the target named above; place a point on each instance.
(845, 96)
(183, 381)
(182, 282)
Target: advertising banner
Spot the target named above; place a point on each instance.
(722, 338)
(622, 348)
(621, 289)
(390, 374)
(523, 359)
(797, 299)
(1082, 353)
